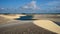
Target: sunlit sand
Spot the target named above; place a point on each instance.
(7, 18)
(12, 16)
(47, 24)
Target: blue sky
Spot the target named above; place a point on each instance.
(18, 3)
(45, 5)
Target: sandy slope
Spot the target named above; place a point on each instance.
(12, 16)
(3, 20)
(23, 27)
(47, 24)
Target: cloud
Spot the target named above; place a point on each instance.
(53, 6)
(48, 7)
(31, 5)
(2, 8)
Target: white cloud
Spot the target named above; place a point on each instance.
(2, 8)
(31, 5)
(25, 7)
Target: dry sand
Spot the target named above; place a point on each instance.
(7, 18)
(23, 27)
(12, 16)
(3, 20)
(47, 24)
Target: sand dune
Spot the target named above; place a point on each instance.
(47, 24)
(23, 27)
(12, 16)
(40, 24)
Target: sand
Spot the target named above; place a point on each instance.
(12, 16)
(3, 20)
(23, 27)
(47, 24)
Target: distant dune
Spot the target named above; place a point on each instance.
(12, 16)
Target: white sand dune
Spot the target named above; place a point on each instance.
(47, 24)
(12, 16)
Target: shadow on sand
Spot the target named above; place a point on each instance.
(58, 23)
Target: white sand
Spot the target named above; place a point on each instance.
(47, 24)
(12, 17)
